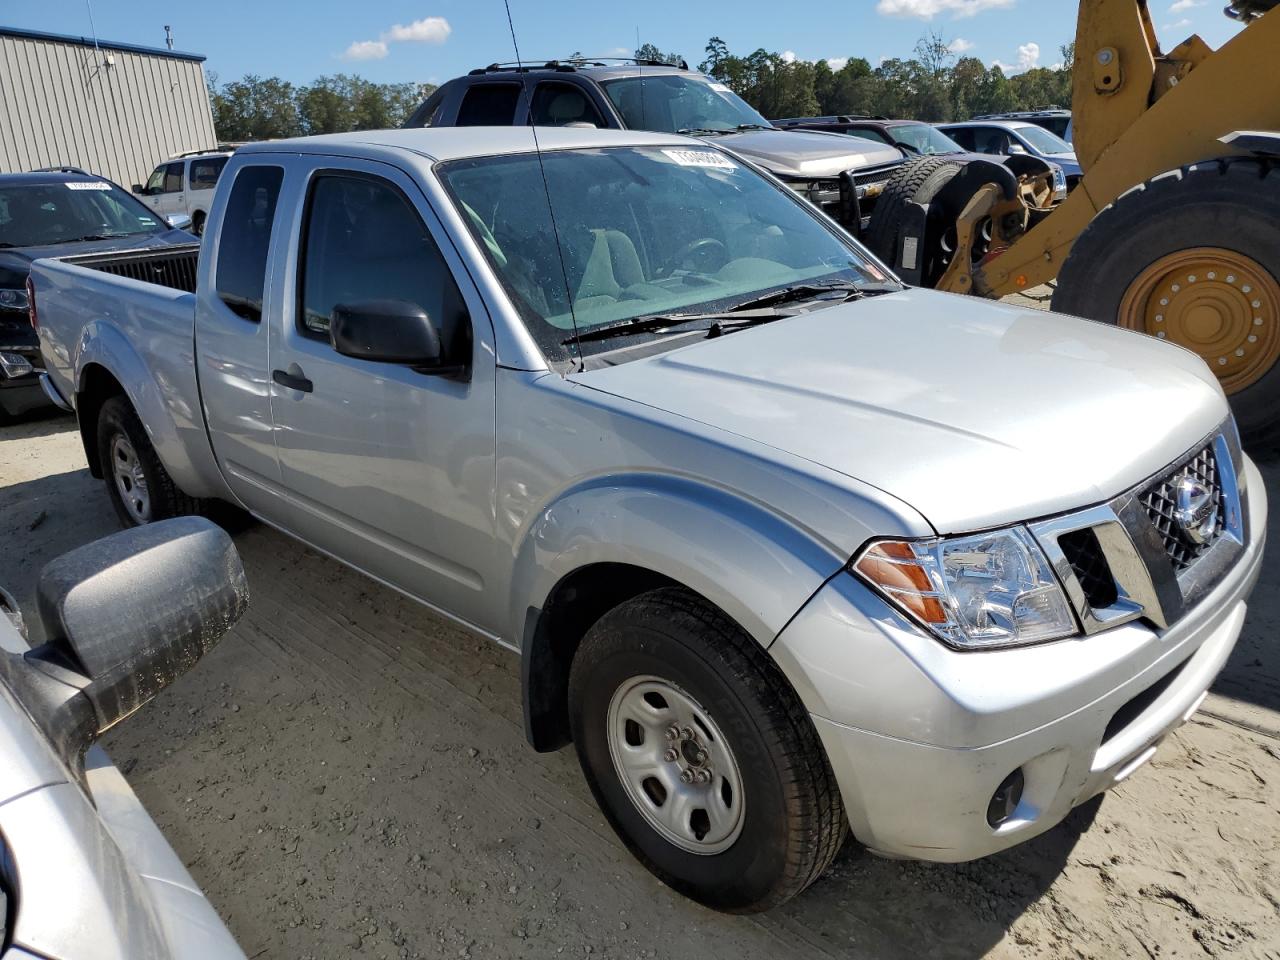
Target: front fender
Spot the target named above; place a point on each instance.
(739, 554)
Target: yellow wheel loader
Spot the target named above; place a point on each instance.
(1175, 228)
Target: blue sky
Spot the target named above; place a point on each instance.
(396, 40)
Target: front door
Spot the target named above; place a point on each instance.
(387, 467)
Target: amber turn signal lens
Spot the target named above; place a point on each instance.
(893, 567)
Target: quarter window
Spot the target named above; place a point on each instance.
(245, 239)
(363, 240)
(173, 178)
(489, 105)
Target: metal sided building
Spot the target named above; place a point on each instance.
(113, 109)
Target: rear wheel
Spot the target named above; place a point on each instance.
(1193, 257)
(140, 488)
(197, 223)
(700, 754)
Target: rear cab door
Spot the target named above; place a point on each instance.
(233, 296)
(387, 467)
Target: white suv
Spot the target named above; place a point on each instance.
(184, 184)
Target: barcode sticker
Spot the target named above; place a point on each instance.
(91, 185)
(701, 158)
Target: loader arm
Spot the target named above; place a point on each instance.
(1138, 113)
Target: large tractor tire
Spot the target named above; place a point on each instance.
(918, 181)
(1193, 256)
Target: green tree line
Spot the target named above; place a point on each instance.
(933, 85)
(266, 108)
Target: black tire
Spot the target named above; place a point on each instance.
(917, 181)
(197, 224)
(792, 820)
(117, 419)
(1233, 204)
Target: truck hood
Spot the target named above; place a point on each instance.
(974, 413)
(808, 154)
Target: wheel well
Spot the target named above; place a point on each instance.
(552, 635)
(97, 386)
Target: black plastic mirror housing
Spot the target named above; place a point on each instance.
(135, 610)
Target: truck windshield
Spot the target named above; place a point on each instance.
(641, 231)
(37, 214)
(924, 139)
(668, 103)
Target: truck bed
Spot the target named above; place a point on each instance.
(173, 267)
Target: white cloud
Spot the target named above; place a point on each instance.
(928, 9)
(837, 63)
(621, 52)
(1181, 6)
(960, 45)
(426, 30)
(1177, 25)
(788, 56)
(365, 50)
(1028, 58)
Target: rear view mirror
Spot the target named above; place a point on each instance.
(134, 611)
(390, 331)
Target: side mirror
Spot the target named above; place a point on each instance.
(130, 613)
(178, 221)
(390, 331)
(1016, 149)
(139, 189)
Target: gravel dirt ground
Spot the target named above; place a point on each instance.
(346, 775)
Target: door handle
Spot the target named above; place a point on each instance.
(292, 381)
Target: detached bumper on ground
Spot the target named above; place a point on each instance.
(921, 737)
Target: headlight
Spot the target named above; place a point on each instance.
(13, 300)
(992, 589)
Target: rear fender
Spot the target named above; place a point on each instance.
(159, 405)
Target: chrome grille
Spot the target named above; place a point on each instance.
(1160, 500)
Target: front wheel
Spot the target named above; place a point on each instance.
(700, 754)
(140, 488)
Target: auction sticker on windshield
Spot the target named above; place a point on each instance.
(94, 185)
(701, 158)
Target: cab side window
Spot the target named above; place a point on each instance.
(560, 104)
(866, 133)
(245, 239)
(962, 136)
(489, 105)
(173, 178)
(362, 240)
(155, 182)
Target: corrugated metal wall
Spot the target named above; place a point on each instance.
(60, 103)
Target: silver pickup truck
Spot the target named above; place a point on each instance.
(787, 550)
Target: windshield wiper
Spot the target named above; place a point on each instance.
(701, 132)
(754, 126)
(97, 236)
(659, 321)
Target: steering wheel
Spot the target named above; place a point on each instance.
(707, 253)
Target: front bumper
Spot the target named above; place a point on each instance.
(920, 736)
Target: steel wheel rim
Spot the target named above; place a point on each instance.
(675, 765)
(131, 481)
(1218, 303)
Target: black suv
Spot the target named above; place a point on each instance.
(56, 213)
(841, 178)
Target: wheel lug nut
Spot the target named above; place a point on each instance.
(687, 733)
(686, 776)
(670, 756)
(672, 733)
(704, 776)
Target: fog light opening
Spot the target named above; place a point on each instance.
(1006, 799)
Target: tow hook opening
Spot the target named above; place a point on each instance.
(1006, 798)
